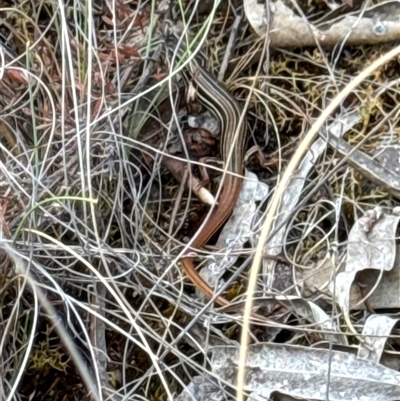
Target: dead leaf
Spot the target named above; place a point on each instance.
(16, 75)
(129, 51)
(307, 373)
(107, 20)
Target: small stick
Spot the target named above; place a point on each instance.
(232, 38)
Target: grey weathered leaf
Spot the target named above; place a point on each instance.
(371, 246)
(314, 314)
(308, 373)
(387, 292)
(385, 296)
(376, 330)
(375, 249)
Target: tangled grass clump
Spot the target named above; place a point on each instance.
(92, 224)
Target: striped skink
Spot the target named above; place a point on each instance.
(214, 96)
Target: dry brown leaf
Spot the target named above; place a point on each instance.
(16, 75)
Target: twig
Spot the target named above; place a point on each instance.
(231, 42)
(178, 170)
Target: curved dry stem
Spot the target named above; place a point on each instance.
(274, 205)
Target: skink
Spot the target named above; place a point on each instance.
(215, 97)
